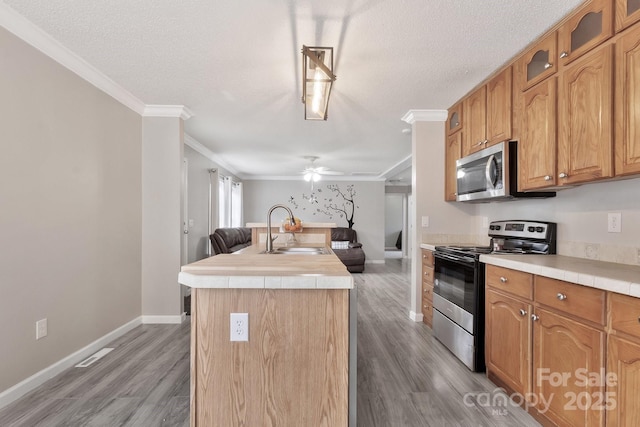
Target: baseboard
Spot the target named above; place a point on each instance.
(416, 317)
(375, 261)
(163, 320)
(37, 379)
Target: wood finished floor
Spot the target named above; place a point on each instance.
(405, 376)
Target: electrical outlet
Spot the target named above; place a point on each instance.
(41, 329)
(614, 222)
(239, 327)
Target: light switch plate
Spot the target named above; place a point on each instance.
(425, 220)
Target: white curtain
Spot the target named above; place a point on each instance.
(236, 204)
(224, 202)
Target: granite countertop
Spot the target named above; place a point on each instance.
(609, 276)
(251, 269)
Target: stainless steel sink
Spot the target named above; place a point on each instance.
(296, 250)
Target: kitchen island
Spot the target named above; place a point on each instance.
(298, 365)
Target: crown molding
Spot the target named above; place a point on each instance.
(167, 111)
(197, 146)
(413, 116)
(325, 178)
(397, 168)
(39, 39)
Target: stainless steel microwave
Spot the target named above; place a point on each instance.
(491, 174)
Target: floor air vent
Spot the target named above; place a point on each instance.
(94, 358)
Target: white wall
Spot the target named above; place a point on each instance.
(259, 196)
(392, 218)
(70, 211)
(581, 214)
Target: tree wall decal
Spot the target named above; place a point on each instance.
(340, 203)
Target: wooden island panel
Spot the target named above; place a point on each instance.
(293, 371)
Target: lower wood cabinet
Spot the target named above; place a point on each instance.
(566, 354)
(427, 287)
(508, 341)
(623, 368)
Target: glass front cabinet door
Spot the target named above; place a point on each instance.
(586, 29)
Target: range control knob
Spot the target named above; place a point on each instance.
(539, 229)
(531, 229)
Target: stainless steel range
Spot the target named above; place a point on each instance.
(458, 292)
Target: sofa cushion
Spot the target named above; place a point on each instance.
(228, 240)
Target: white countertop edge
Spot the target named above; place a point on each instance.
(428, 246)
(620, 278)
(301, 281)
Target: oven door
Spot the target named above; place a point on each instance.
(456, 280)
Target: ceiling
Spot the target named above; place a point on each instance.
(237, 66)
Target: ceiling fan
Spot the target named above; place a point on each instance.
(314, 173)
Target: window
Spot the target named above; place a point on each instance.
(229, 203)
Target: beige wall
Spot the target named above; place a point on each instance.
(70, 211)
(162, 156)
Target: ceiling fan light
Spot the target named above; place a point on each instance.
(308, 176)
(316, 177)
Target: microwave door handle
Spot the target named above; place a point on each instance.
(491, 180)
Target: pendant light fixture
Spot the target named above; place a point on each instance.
(317, 80)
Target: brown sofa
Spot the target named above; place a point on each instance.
(228, 240)
(353, 256)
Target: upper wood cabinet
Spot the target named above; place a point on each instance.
(586, 29)
(475, 115)
(537, 148)
(585, 145)
(627, 104)
(539, 62)
(453, 151)
(487, 114)
(627, 13)
(454, 120)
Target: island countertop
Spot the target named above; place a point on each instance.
(254, 270)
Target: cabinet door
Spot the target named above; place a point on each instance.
(627, 103)
(586, 29)
(585, 148)
(564, 353)
(475, 116)
(453, 151)
(499, 91)
(539, 62)
(627, 13)
(537, 150)
(454, 120)
(508, 340)
(623, 366)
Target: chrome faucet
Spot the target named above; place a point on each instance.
(269, 238)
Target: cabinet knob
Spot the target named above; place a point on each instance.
(561, 296)
(523, 312)
(564, 54)
(547, 177)
(457, 124)
(563, 175)
(503, 279)
(485, 142)
(479, 143)
(548, 65)
(535, 317)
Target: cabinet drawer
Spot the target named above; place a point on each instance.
(581, 301)
(512, 281)
(427, 291)
(427, 258)
(625, 314)
(427, 311)
(427, 274)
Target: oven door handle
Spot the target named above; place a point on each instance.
(467, 262)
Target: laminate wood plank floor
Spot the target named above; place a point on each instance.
(405, 376)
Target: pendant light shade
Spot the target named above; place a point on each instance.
(317, 80)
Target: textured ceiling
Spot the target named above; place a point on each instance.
(236, 66)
